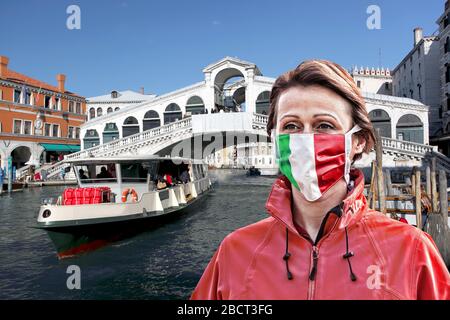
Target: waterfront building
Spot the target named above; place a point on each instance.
(417, 77)
(38, 121)
(442, 139)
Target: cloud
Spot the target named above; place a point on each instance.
(216, 22)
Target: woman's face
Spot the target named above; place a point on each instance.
(315, 109)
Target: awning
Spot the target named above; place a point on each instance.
(61, 147)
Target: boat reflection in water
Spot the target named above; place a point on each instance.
(119, 197)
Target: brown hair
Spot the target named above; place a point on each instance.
(332, 76)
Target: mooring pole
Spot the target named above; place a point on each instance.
(380, 180)
(428, 178)
(443, 195)
(434, 194)
(10, 174)
(418, 196)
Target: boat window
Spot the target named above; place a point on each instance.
(97, 173)
(133, 172)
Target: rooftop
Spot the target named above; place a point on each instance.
(122, 96)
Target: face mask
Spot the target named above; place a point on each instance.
(313, 163)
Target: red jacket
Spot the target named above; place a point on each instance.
(361, 254)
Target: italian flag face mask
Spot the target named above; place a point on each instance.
(314, 162)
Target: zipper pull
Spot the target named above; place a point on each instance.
(315, 254)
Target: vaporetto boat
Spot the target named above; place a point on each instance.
(119, 197)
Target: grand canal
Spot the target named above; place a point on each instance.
(162, 263)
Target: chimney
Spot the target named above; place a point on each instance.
(3, 66)
(418, 35)
(141, 90)
(61, 80)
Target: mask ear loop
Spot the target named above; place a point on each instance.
(348, 149)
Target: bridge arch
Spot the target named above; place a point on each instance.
(195, 105)
(151, 120)
(91, 113)
(172, 113)
(263, 102)
(109, 110)
(130, 126)
(229, 92)
(410, 128)
(381, 120)
(99, 112)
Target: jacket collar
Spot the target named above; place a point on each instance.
(352, 207)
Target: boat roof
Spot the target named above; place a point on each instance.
(132, 159)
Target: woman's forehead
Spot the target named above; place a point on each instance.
(310, 100)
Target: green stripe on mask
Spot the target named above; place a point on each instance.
(284, 151)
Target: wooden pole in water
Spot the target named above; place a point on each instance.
(413, 182)
(380, 183)
(417, 194)
(370, 196)
(428, 178)
(434, 194)
(443, 195)
(389, 189)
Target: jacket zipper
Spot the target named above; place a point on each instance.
(312, 274)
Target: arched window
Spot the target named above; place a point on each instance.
(381, 121)
(116, 109)
(195, 105)
(447, 45)
(91, 139)
(262, 102)
(91, 113)
(109, 110)
(99, 112)
(110, 132)
(130, 127)
(151, 120)
(410, 128)
(172, 113)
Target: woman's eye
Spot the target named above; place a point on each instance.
(325, 126)
(291, 126)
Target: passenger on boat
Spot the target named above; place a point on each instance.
(184, 176)
(104, 174)
(168, 179)
(321, 240)
(82, 175)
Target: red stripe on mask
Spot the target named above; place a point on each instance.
(329, 153)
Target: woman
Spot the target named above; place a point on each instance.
(321, 240)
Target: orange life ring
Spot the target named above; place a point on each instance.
(126, 192)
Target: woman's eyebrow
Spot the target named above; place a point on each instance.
(325, 114)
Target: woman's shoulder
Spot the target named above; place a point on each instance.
(250, 235)
(381, 225)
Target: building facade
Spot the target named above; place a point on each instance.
(373, 80)
(38, 121)
(417, 77)
(443, 139)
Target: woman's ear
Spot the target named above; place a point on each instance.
(358, 145)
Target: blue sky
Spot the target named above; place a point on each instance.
(164, 45)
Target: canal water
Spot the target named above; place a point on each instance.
(162, 263)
